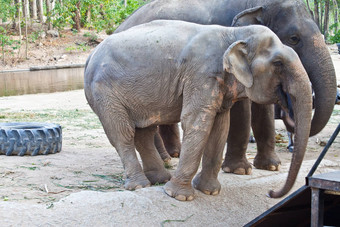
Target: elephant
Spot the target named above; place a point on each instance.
(293, 24)
(169, 71)
(288, 119)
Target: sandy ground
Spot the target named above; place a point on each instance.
(83, 184)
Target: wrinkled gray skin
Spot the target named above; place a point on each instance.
(166, 72)
(291, 21)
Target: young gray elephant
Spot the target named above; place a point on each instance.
(165, 72)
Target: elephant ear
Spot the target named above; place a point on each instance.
(235, 61)
(249, 16)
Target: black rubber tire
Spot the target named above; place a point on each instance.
(30, 138)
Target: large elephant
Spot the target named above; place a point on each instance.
(293, 24)
(165, 72)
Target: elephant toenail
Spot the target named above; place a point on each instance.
(272, 168)
(167, 161)
(181, 198)
(175, 155)
(215, 193)
(206, 192)
(190, 198)
(240, 171)
(138, 187)
(226, 169)
(168, 192)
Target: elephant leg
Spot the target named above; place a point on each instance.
(171, 139)
(120, 133)
(161, 148)
(153, 164)
(196, 124)
(206, 181)
(235, 160)
(290, 146)
(263, 126)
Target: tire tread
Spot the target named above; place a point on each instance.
(28, 138)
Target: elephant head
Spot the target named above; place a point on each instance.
(269, 74)
(295, 27)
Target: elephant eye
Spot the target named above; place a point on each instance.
(293, 40)
(277, 63)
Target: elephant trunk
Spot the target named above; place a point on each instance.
(322, 76)
(302, 107)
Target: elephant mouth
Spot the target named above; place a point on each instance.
(282, 98)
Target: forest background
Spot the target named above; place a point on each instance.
(23, 23)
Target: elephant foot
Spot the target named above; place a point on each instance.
(267, 162)
(166, 159)
(158, 177)
(181, 192)
(137, 182)
(161, 148)
(240, 167)
(171, 139)
(173, 150)
(165, 156)
(209, 186)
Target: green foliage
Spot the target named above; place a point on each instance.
(7, 10)
(334, 26)
(74, 31)
(61, 16)
(91, 35)
(335, 38)
(34, 36)
(77, 47)
(107, 15)
(104, 15)
(7, 43)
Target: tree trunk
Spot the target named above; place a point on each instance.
(14, 16)
(41, 11)
(19, 3)
(34, 9)
(311, 12)
(88, 14)
(3, 49)
(321, 16)
(30, 8)
(336, 15)
(326, 19)
(316, 13)
(125, 3)
(77, 18)
(26, 9)
(48, 10)
(26, 4)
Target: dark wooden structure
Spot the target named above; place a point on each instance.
(315, 204)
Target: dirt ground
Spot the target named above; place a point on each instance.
(83, 184)
(69, 48)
